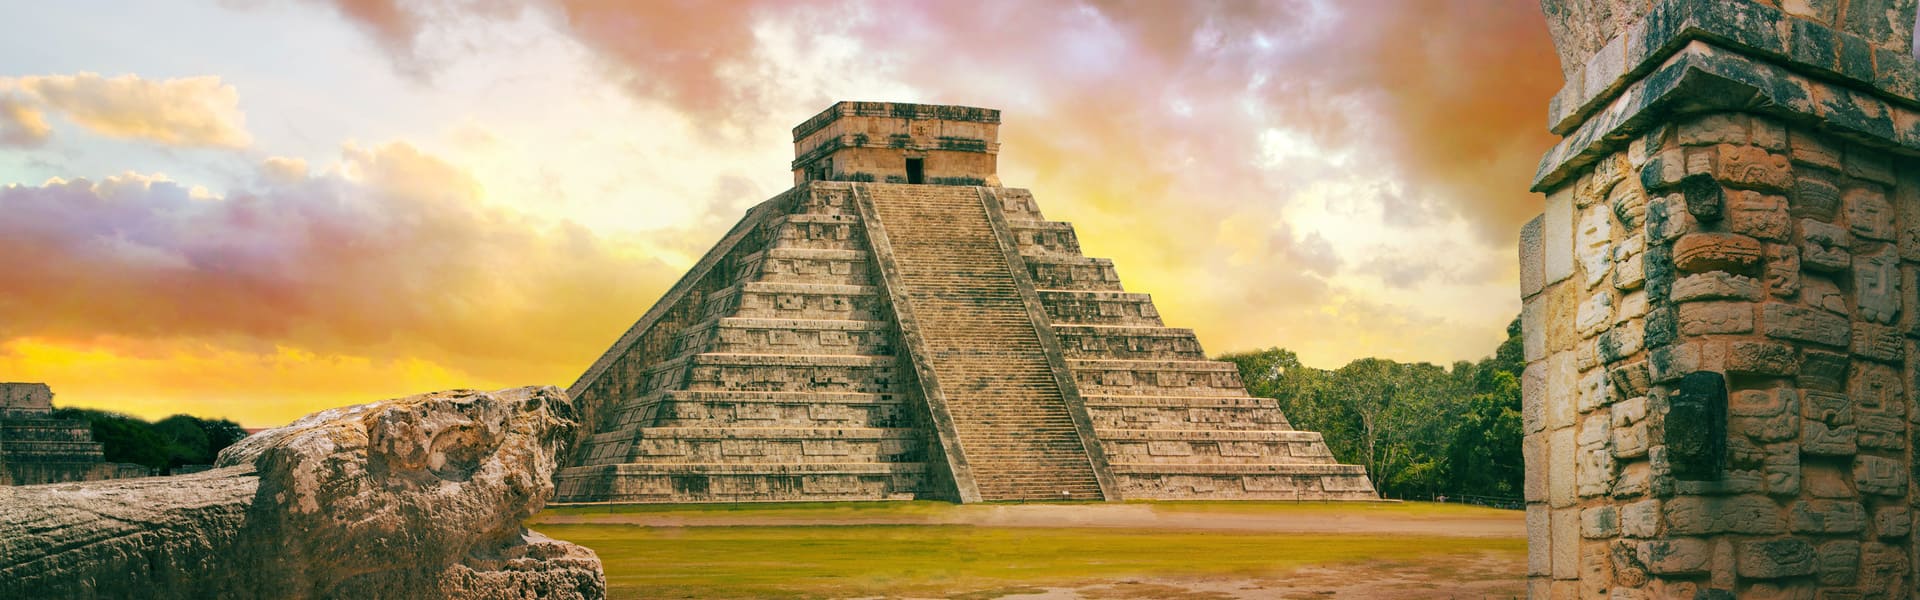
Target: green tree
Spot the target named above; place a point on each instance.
(1418, 428)
(122, 438)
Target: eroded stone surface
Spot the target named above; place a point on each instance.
(416, 497)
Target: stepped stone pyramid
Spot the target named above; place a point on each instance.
(36, 447)
(897, 326)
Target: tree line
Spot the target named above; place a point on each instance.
(165, 444)
(1421, 430)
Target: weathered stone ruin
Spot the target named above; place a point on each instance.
(36, 447)
(417, 497)
(1721, 306)
(897, 326)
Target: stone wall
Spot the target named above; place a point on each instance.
(1720, 306)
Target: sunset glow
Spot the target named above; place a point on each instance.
(257, 209)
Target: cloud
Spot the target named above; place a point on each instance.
(1178, 136)
(389, 255)
(21, 124)
(192, 111)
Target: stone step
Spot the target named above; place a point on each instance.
(1010, 417)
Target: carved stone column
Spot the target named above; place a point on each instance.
(1720, 303)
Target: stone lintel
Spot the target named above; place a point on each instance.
(1704, 77)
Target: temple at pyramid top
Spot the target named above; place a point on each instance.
(898, 326)
(897, 142)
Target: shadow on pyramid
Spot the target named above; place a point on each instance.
(896, 327)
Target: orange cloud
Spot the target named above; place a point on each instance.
(193, 111)
(391, 257)
(21, 124)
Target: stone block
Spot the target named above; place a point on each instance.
(1593, 244)
(1878, 343)
(1640, 519)
(1562, 458)
(1824, 247)
(1884, 570)
(1877, 390)
(1596, 571)
(1824, 371)
(1760, 216)
(1828, 516)
(1813, 197)
(1777, 558)
(1702, 252)
(1596, 471)
(1630, 379)
(1764, 403)
(1797, 323)
(1869, 216)
(1539, 540)
(1562, 379)
(1635, 478)
(1837, 562)
(1761, 358)
(1532, 261)
(1821, 292)
(1533, 328)
(1712, 129)
(1621, 342)
(1704, 198)
(1876, 285)
(1628, 200)
(1879, 476)
(1629, 263)
(1814, 149)
(1769, 134)
(1593, 431)
(1892, 522)
(1533, 450)
(1594, 313)
(1695, 515)
(1594, 393)
(1533, 398)
(1663, 170)
(1707, 318)
(1677, 557)
(1823, 481)
(1715, 285)
(1821, 439)
(1781, 468)
(1566, 543)
(1557, 236)
(1599, 522)
(1869, 163)
(1783, 270)
(1752, 167)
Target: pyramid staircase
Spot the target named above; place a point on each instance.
(866, 341)
(1014, 425)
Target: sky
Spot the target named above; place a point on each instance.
(254, 209)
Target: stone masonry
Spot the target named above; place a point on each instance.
(37, 448)
(1721, 307)
(895, 327)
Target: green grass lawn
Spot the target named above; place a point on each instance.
(947, 560)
